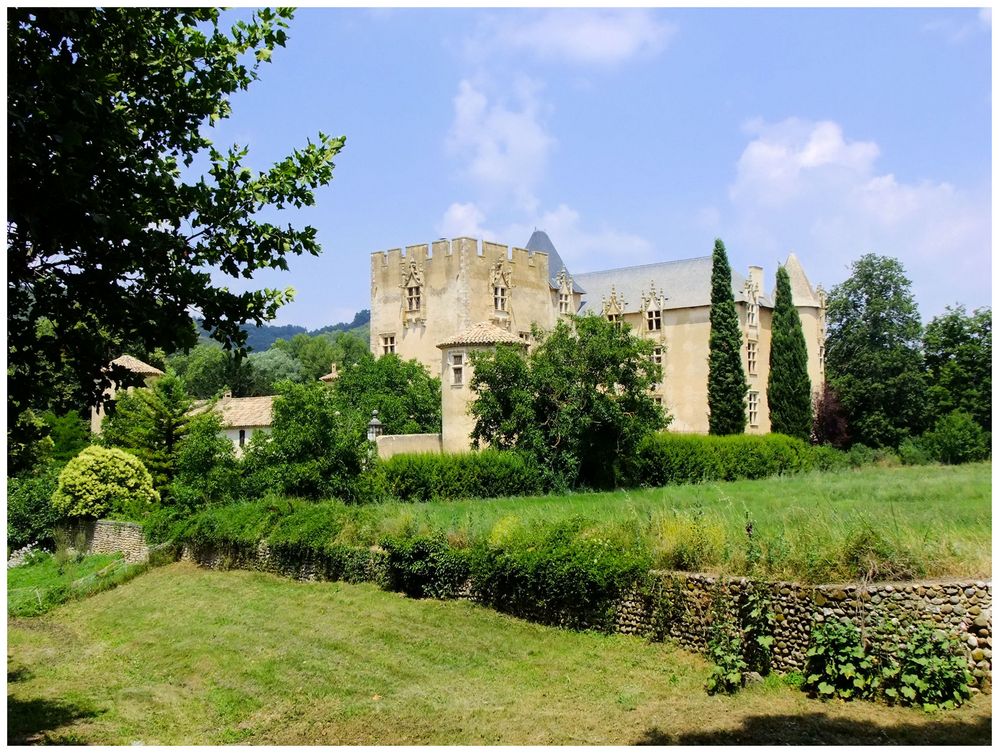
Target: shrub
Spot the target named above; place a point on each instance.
(913, 451)
(665, 459)
(689, 541)
(30, 514)
(828, 458)
(922, 666)
(928, 669)
(102, 481)
(567, 573)
(956, 438)
(425, 566)
(837, 666)
(207, 472)
(487, 473)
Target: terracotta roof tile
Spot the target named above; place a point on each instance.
(483, 333)
(246, 411)
(134, 364)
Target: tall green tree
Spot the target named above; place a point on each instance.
(873, 358)
(269, 368)
(110, 247)
(209, 370)
(789, 390)
(407, 398)
(957, 347)
(727, 386)
(150, 422)
(580, 402)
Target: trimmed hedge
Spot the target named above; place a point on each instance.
(667, 459)
(420, 477)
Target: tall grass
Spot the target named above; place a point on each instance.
(882, 523)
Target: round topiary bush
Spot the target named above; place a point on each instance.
(105, 480)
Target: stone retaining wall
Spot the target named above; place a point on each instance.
(108, 537)
(682, 610)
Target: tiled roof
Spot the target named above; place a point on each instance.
(483, 333)
(686, 284)
(246, 411)
(134, 364)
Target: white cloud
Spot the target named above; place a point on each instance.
(505, 149)
(587, 37)
(463, 220)
(955, 31)
(583, 248)
(804, 185)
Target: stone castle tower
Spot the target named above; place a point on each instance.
(427, 296)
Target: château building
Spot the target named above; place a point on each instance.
(429, 296)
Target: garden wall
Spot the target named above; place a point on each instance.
(682, 607)
(110, 536)
(390, 445)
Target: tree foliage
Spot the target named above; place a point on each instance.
(270, 367)
(150, 422)
(789, 390)
(873, 358)
(103, 481)
(314, 450)
(957, 347)
(109, 246)
(209, 370)
(727, 385)
(579, 403)
(407, 398)
(206, 468)
(70, 433)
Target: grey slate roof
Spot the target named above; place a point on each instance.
(540, 241)
(686, 283)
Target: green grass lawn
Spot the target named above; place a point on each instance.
(188, 656)
(37, 587)
(893, 523)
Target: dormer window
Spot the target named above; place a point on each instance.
(413, 297)
(499, 297)
(614, 318)
(751, 311)
(654, 319)
(564, 302)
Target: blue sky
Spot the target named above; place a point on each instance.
(637, 136)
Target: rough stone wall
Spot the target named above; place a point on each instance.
(110, 536)
(682, 610)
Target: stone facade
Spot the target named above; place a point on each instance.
(428, 294)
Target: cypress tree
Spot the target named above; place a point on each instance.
(789, 391)
(726, 379)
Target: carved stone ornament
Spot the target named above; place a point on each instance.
(412, 274)
(501, 275)
(654, 300)
(613, 306)
(564, 281)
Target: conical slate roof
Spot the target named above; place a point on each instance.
(483, 333)
(541, 242)
(802, 293)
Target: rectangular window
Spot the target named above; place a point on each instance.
(751, 356)
(822, 356)
(614, 318)
(754, 408)
(654, 319)
(658, 400)
(657, 356)
(457, 368)
(499, 298)
(413, 298)
(751, 309)
(242, 437)
(525, 336)
(388, 344)
(564, 303)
